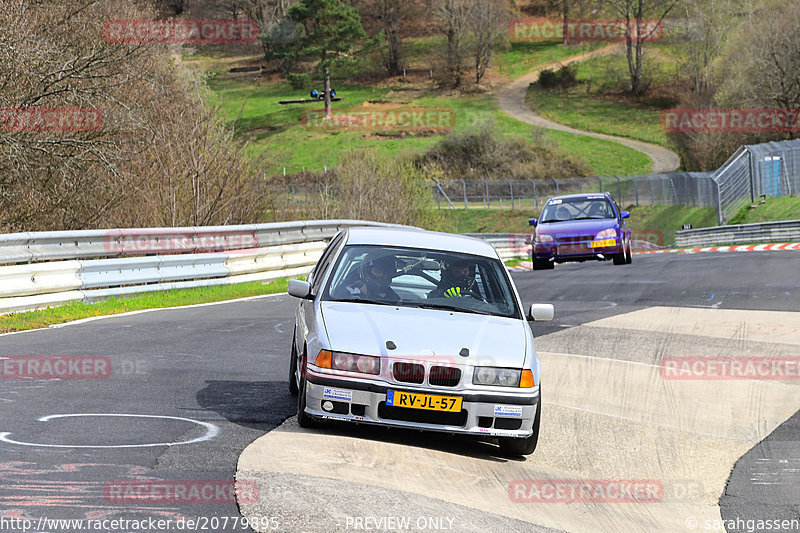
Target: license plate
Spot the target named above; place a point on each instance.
(423, 401)
(603, 243)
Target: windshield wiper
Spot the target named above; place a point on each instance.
(450, 308)
(362, 301)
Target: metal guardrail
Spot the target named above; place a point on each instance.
(45, 269)
(785, 231)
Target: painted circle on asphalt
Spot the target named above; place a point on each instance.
(211, 432)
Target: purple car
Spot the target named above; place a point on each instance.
(579, 227)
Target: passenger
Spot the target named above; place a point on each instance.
(458, 280)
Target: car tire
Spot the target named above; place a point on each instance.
(526, 446)
(303, 419)
(620, 258)
(543, 264)
(629, 254)
(293, 388)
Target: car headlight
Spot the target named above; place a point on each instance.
(503, 377)
(543, 238)
(609, 233)
(364, 364)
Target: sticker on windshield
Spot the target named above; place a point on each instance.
(596, 197)
(335, 394)
(554, 202)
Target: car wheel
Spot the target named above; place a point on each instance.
(619, 259)
(303, 419)
(526, 446)
(293, 381)
(629, 255)
(543, 264)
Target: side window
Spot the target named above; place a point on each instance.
(324, 262)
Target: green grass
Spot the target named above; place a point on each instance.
(595, 104)
(275, 131)
(483, 220)
(519, 58)
(173, 298)
(787, 208)
(658, 223)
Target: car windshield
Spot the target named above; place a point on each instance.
(428, 279)
(566, 209)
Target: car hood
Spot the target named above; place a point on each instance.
(425, 333)
(576, 227)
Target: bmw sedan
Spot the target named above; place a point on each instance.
(415, 329)
(581, 227)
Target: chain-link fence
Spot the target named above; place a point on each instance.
(675, 188)
(769, 169)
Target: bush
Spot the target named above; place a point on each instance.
(563, 78)
(482, 152)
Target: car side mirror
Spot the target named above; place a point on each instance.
(541, 312)
(300, 289)
(533, 222)
(625, 214)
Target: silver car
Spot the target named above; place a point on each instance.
(410, 328)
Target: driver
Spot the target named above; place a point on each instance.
(598, 210)
(458, 280)
(376, 274)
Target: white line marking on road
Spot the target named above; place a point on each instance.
(211, 432)
(129, 313)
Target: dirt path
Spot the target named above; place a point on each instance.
(511, 98)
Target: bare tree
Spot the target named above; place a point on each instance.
(454, 16)
(761, 65)
(641, 19)
(390, 14)
(56, 56)
(488, 31)
(707, 26)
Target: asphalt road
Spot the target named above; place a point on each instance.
(219, 372)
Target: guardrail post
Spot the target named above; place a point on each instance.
(464, 184)
(488, 198)
(619, 189)
(558, 189)
(511, 188)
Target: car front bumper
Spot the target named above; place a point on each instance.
(492, 413)
(578, 251)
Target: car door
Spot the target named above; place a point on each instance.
(305, 313)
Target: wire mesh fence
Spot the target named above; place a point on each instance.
(769, 169)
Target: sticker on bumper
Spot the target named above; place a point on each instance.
(336, 394)
(507, 410)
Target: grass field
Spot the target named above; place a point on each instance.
(174, 298)
(277, 132)
(599, 102)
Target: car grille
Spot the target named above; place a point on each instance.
(408, 372)
(574, 239)
(421, 416)
(441, 376)
(444, 376)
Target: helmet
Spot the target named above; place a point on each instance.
(562, 213)
(458, 272)
(378, 270)
(598, 209)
